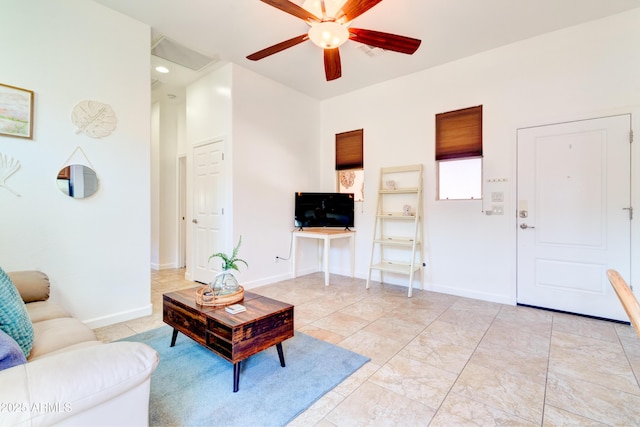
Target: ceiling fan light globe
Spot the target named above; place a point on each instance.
(328, 34)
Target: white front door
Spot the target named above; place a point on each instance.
(573, 215)
(208, 208)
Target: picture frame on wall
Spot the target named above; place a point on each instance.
(16, 112)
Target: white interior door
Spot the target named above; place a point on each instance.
(573, 215)
(208, 209)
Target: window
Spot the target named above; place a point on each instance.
(460, 179)
(350, 163)
(459, 154)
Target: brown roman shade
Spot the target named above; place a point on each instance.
(349, 151)
(459, 134)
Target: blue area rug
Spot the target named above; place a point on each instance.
(192, 386)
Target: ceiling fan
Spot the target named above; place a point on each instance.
(332, 30)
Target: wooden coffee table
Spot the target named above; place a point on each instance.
(235, 337)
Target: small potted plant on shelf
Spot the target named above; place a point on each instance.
(225, 282)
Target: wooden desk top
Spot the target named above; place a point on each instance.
(325, 231)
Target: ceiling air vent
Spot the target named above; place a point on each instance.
(172, 51)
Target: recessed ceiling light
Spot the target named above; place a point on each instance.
(162, 69)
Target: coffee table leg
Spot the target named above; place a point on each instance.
(280, 354)
(236, 376)
(173, 337)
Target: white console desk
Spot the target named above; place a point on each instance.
(326, 235)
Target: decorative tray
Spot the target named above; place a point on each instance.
(205, 296)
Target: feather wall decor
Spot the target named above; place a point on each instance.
(8, 166)
(94, 118)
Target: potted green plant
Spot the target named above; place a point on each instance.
(225, 282)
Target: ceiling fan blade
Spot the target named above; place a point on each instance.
(354, 8)
(277, 47)
(332, 65)
(292, 9)
(386, 41)
(323, 7)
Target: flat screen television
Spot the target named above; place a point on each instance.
(324, 210)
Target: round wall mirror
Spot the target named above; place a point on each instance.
(77, 181)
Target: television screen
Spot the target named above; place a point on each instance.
(324, 210)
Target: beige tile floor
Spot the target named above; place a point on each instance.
(441, 360)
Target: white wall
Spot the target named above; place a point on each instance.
(168, 134)
(271, 136)
(208, 118)
(96, 251)
(582, 72)
(156, 231)
(168, 194)
(275, 151)
(167, 139)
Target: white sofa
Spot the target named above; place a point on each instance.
(71, 378)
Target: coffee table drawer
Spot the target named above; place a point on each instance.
(190, 323)
(277, 322)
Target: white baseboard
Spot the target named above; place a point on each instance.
(123, 316)
(266, 281)
(166, 266)
(483, 296)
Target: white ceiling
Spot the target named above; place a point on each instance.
(449, 29)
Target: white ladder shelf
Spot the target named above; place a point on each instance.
(397, 235)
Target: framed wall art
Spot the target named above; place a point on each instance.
(16, 112)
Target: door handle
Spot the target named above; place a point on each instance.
(195, 221)
(524, 226)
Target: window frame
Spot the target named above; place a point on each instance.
(458, 137)
(349, 157)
